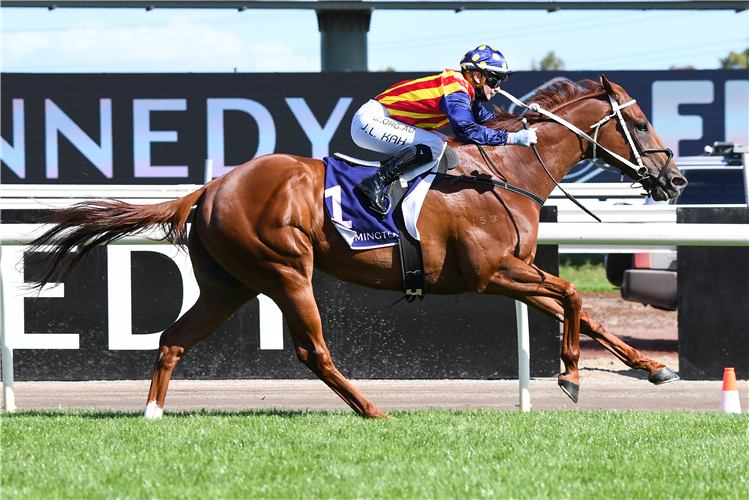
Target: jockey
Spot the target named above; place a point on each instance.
(398, 121)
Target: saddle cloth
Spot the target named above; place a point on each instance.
(348, 208)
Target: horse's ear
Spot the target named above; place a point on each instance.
(610, 90)
(606, 84)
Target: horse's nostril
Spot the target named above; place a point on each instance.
(678, 181)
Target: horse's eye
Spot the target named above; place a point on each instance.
(642, 126)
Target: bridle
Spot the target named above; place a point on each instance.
(634, 144)
(639, 171)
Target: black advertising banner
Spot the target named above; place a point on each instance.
(160, 128)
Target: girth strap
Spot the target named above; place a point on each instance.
(411, 254)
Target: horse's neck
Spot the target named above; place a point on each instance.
(559, 148)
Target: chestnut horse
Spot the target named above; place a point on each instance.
(262, 228)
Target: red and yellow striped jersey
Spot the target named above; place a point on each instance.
(417, 102)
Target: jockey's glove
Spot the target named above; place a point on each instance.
(524, 138)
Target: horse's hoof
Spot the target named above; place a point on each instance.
(570, 389)
(663, 376)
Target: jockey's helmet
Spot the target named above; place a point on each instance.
(488, 61)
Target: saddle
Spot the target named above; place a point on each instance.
(411, 253)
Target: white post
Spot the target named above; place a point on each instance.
(9, 399)
(745, 161)
(524, 355)
(208, 171)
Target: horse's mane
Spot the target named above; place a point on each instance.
(550, 98)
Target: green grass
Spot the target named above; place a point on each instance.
(586, 271)
(419, 454)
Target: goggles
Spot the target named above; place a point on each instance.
(493, 79)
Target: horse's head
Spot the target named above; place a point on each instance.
(628, 133)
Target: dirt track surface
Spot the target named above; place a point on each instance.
(653, 332)
(606, 383)
(615, 393)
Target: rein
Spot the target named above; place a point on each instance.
(640, 170)
(569, 196)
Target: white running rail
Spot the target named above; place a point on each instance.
(624, 225)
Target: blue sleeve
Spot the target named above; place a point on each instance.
(465, 120)
(480, 112)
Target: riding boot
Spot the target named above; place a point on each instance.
(374, 185)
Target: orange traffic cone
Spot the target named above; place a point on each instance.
(729, 400)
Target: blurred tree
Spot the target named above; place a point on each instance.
(736, 61)
(549, 63)
(682, 67)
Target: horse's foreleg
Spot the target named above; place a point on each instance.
(303, 319)
(657, 372)
(517, 279)
(202, 320)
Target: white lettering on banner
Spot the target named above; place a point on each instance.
(119, 290)
(266, 143)
(11, 268)
(55, 120)
(337, 215)
(673, 127)
(271, 324)
(318, 136)
(119, 286)
(737, 112)
(15, 156)
(143, 136)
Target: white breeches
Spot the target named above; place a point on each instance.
(373, 128)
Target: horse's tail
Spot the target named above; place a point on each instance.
(89, 224)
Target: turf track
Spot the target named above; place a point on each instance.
(424, 454)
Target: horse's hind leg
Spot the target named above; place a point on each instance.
(211, 310)
(657, 372)
(303, 319)
(519, 280)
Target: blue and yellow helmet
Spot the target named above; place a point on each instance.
(488, 59)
